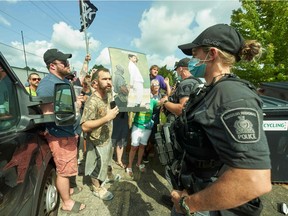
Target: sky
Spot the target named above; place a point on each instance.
(154, 28)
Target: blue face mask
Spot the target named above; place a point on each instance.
(196, 70)
(199, 71)
(179, 78)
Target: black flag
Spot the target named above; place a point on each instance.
(88, 13)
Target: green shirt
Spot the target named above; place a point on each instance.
(141, 119)
(30, 91)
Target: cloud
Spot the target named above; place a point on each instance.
(67, 38)
(63, 38)
(169, 61)
(34, 54)
(4, 21)
(161, 29)
(168, 24)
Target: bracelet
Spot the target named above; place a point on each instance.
(184, 207)
(165, 102)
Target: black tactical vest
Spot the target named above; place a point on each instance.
(191, 137)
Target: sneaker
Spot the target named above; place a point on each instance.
(145, 159)
(111, 179)
(129, 171)
(141, 167)
(102, 193)
(110, 176)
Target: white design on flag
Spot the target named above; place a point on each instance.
(88, 13)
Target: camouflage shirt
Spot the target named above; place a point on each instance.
(96, 108)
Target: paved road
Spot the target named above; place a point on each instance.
(141, 196)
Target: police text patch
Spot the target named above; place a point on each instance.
(242, 124)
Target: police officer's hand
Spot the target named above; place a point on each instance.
(176, 195)
(112, 113)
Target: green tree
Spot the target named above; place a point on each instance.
(265, 21)
(29, 69)
(163, 71)
(95, 67)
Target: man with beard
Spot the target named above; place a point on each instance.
(33, 80)
(97, 123)
(62, 139)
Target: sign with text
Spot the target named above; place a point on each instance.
(275, 125)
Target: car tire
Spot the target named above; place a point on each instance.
(49, 201)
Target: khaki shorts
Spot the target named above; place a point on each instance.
(64, 151)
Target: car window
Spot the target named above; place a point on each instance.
(8, 99)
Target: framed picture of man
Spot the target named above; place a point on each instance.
(130, 78)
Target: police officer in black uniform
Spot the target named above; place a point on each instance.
(187, 83)
(225, 164)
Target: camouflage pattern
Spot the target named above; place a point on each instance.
(96, 108)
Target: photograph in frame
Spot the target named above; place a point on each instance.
(130, 80)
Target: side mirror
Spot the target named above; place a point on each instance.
(64, 104)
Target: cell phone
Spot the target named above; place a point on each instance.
(112, 104)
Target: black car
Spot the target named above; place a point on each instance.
(27, 170)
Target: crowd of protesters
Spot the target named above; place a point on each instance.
(106, 131)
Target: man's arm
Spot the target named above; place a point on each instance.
(233, 188)
(175, 108)
(92, 124)
(84, 70)
(168, 87)
(47, 108)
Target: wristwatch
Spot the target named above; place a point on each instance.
(165, 102)
(184, 207)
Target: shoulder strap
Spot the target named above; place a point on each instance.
(202, 90)
(195, 78)
(233, 77)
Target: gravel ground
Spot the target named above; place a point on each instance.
(141, 196)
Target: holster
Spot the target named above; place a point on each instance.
(164, 145)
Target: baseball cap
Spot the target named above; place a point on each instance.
(221, 36)
(54, 54)
(182, 63)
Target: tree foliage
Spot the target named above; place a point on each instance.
(265, 21)
(163, 71)
(29, 69)
(96, 67)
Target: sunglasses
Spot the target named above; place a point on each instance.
(155, 84)
(34, 79)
